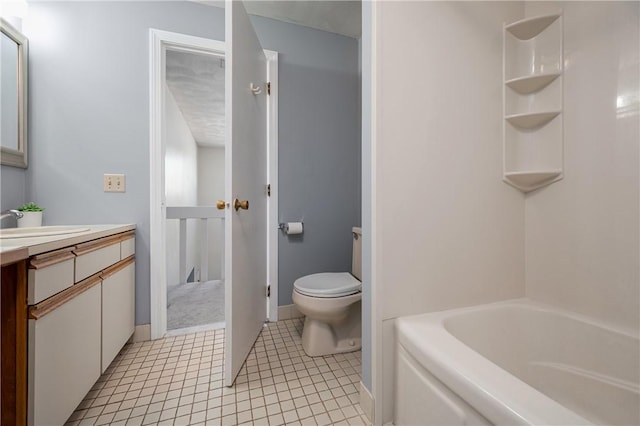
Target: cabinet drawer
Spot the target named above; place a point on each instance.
(118, 308)
(127, 248)
(91, 260)
(49, 274)
(64, 356)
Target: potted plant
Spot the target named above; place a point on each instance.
(32, 215)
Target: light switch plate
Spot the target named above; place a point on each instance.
(114, 183)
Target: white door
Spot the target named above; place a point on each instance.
(246, 178)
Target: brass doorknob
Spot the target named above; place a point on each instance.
(237, 204)
(220, 205)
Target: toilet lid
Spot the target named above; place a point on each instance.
(328, 284)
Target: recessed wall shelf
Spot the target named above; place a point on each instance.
(533, 146)
(530, 180)
(528, 28)
(531, 120)
(532, 83)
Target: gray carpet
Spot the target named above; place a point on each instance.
(194, 304)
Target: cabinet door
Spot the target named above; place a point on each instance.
(64, 358)
(118, 310)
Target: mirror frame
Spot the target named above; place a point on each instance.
(8, 156)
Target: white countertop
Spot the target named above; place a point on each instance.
(12, 248)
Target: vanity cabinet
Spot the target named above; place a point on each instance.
(75, 312)
(118, 309)
(64, 353)
(49, 274)
(94, 256)
(13, 359)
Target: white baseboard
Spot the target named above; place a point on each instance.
(288, 312)
(367, 403)
(142, 333)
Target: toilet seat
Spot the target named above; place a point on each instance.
(328, 284)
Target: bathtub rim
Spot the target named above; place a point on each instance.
(541, 307)
(494, 392)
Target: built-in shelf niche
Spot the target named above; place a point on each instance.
(531, 83)
(531, 120)
(527, 28)
(533, 102)
(530, 180)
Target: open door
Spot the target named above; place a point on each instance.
(246, 177)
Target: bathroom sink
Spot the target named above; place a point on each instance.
(40, 231)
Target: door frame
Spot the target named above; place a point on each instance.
(272, 176)
(159, 41)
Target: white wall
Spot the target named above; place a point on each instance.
(451, 233)
(211, 189)
(448, 231)
(181, 187)
(582, 233)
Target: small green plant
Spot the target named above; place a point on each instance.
(30, 207)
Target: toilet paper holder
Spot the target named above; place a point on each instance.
(283, 225)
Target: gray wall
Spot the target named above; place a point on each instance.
(13, 191)
(89, 116)
(319, 148)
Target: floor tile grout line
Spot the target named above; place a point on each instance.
(276, 370)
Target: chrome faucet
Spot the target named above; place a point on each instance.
(8, 213)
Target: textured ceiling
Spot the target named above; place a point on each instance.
(197, 84)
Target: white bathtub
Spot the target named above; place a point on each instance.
(515, 362)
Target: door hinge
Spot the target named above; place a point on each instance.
(268, 190)
(268, 290)
(268, 88)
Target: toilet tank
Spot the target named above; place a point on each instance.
(356, 257)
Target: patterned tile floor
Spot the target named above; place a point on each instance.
(178, 380)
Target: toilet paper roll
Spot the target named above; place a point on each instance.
(293, 228)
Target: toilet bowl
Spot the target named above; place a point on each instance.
(331, 303)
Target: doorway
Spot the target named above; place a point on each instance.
(194, 135)
(191, 275)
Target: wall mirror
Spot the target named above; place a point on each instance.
(13, 96)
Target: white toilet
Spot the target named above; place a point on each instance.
(331, 303)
